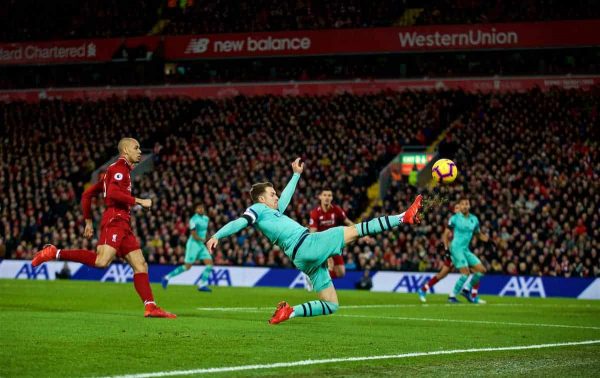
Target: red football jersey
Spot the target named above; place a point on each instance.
(323, 220)
(117, 191)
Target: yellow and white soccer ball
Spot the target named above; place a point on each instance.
(444, 170)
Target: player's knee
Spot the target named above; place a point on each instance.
(187, 266)
(140, 267)
(332, 307)
(103, 262)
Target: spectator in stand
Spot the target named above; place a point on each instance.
(529, 161)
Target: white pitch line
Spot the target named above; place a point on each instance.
(349, 359)
(469, 321)
(409, 305)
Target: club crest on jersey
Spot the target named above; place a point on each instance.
(118, 176)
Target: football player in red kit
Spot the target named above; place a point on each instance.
(116, 236)
(324, 217)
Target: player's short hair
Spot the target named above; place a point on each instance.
(123, 142)
(259, 189)
(326, 189)
(198, 204)
(463, 198)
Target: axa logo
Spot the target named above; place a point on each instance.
(300, 282)
(118, 273)
(411, 283)
(218, 277)
(524, 287)
(197, 46)
(29, 272)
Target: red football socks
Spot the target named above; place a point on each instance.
(430, 283)
(142, 286)
(332, 274)
(83, 256)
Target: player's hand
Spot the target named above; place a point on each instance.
(211, 244)
(147, 203)
(89, 230)
(368, 239)
(298, 166)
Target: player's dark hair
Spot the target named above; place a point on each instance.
(463, 198)
(198, 204)
(258, 190)
(326, 189)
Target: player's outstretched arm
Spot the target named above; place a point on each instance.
(446, 238)
(229, 229)
(290, 188)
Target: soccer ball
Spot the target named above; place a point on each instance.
(444, 170)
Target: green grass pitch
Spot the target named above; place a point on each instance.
(91, 329)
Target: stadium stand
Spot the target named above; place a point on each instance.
(212, 151)
(67, 19)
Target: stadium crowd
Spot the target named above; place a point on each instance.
(271, 15)
(529, 163)
(63, 19)
(537, 196)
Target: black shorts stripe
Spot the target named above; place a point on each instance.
(326, 305)
(362, 228)
(323, 307)
(387, 221)
(381, 224)
(304, 308)
(367, 223)
(309, 307)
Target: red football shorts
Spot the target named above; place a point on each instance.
(338, 260)
(119, 236)
(448, 262)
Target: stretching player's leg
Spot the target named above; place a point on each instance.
(384, 223)
(472, 288)
(101, 259)
(175, 272)
(327, 303)
(142, 285)
(203, 283)
(317, 248)
(464, 276)
(192, 254)
(435, 279)
(337, 269)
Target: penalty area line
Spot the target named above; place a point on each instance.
(276, 365)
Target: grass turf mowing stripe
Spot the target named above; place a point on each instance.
(425, 305)
(351, 359)
(469, 321)
(264, 309)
